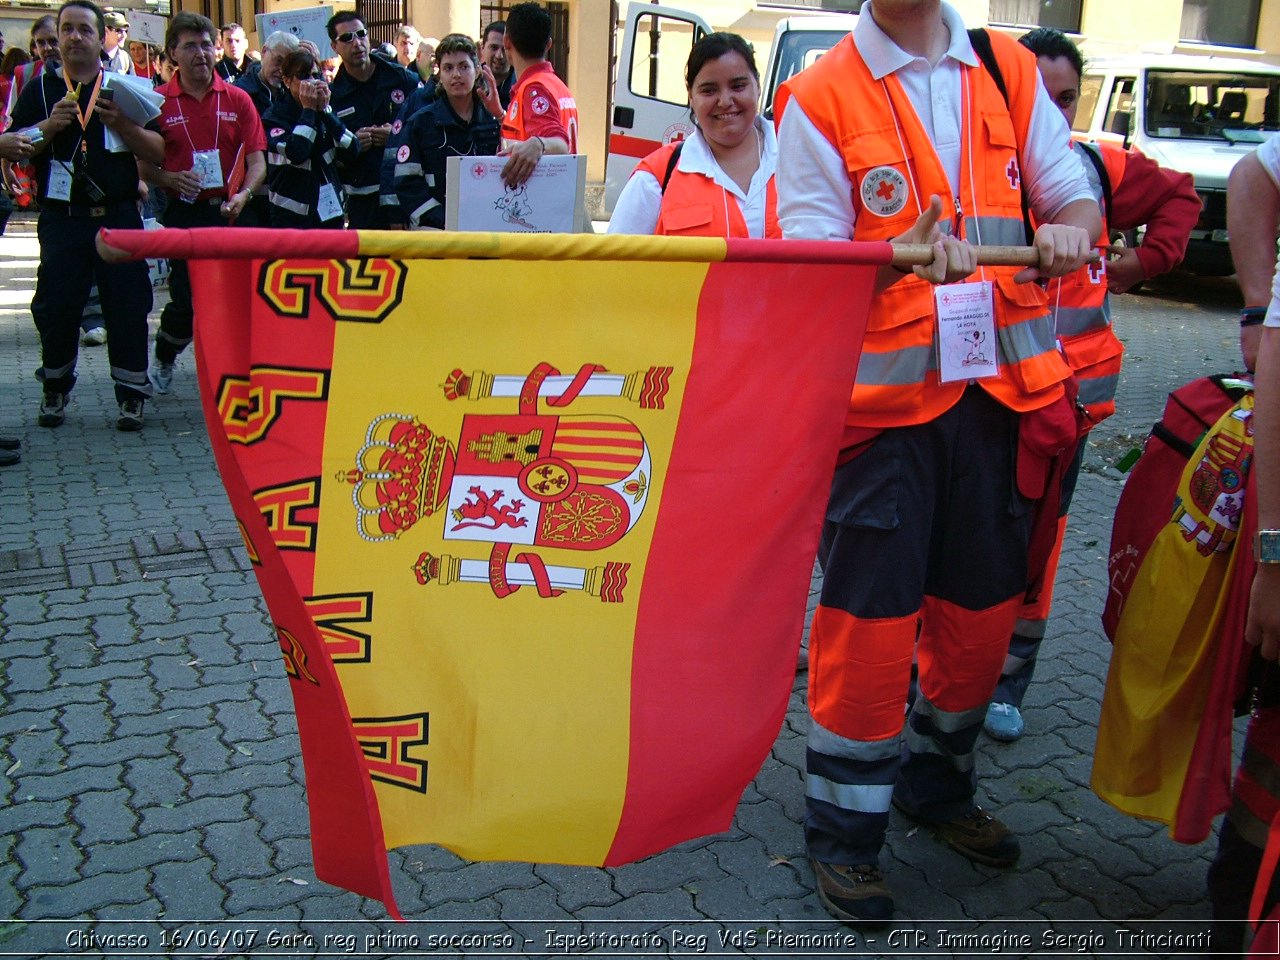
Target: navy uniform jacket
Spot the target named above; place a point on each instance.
(303, 148)
(417, 166)
(370, 104)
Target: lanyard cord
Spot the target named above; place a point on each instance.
(84, 119)
(966, 109)
(902, 145)
(217, 121)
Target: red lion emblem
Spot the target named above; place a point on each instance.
(485, 507)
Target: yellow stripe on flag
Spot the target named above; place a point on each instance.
(514, 699)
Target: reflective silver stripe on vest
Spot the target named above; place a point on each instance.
(859, 797)
(995, 231)
(415, 218)
(1098, 389)
(363, 191)
(280, 160)
(896, 368)
(284, 203)
(1073, 321)
(306, 132)
(1022, 341)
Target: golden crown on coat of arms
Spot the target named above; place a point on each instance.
(402, 475)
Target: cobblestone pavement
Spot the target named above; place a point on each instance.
(151, 769)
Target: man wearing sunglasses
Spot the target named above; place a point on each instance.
(115, 49)
(367, 94)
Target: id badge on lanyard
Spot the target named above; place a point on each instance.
(207, 165)
(967, 348)
(328, 206)
(59, 181)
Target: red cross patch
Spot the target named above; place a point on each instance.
(1097, 271)
(885, 191)
(1012, 172)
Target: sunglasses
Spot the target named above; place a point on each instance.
(352, 35)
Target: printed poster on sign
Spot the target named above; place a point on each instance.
(550, 201)
(147, 28)
(305, 24)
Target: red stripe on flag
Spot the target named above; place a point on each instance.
(637, 147)
(347, 840)
(718, 629)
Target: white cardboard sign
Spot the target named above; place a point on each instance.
(306, 24)
(550, 201)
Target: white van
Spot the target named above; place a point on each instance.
(1195, 114)
(650, 102)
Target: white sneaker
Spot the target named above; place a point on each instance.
(94, 337)
(161, 376)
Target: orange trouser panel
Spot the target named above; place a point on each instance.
(859, 672)
(962, 651)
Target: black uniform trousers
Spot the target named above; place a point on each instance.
(69, 267)
(176, 318)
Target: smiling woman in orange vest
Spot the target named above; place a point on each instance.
(719, 182)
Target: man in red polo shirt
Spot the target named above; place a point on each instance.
(214, 162)
(542, 116)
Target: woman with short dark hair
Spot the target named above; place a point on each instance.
(304, 143)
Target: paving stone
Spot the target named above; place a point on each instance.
(193, 813)
(480, 881)
(23, 812)
(189, 888)
(118, 749)
(765, 877)
(89, 895)
(146, 851)
(49, 857)
(85, 723)
(644, 907)
(168, 721)
(104, 816)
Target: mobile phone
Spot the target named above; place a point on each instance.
(106, 93)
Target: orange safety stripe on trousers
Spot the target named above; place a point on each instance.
(962, 651)
(859, 672)
(1037, 607)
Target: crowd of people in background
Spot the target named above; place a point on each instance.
(925, 612)
(353, 136)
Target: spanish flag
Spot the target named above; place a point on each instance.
(534, 517)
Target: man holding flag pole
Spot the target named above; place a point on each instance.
(956, 414)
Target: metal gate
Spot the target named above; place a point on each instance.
(491, 10)
(383, 18)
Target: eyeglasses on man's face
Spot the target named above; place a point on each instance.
(352, 35)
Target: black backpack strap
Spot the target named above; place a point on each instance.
(1096, 159)
(981, 42)
(671, 165)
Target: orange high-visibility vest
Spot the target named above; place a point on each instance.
(694, 205)
(1082, 308)
(897, 382)
(513, 121)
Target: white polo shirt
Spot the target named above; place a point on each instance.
(815, 195)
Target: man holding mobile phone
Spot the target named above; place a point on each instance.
(86, 181)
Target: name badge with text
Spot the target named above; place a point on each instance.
(966, 332)
(207, 165)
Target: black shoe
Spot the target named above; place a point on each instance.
(130, 418)
(10, 443)
(977, 835)
(9, 457)
(857, 896)
(53, 409)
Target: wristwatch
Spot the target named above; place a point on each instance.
(1266, 546)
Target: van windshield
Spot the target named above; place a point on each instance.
(1211, 106)
(797, 50)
